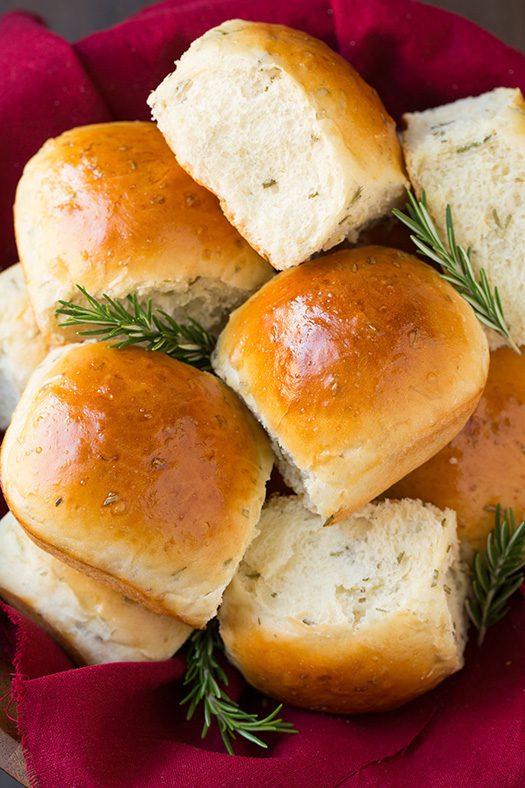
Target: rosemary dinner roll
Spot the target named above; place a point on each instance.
(22, 346)
(107, 207)
(362, 616)
(93, 623)
(471, 155)
(484, 465)
(299, 149)
(141, 471)
(360, 365)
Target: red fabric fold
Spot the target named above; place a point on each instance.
(120, 726)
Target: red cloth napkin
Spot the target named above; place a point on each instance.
(120, 726)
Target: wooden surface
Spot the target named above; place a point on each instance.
(74, 19)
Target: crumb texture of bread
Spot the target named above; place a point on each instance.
(94, 623)
(141, 471)
(471, 155)
(22, 346)
(360, 616)
(107, 206)
(359, 364)
(484, 464)
(298, 148)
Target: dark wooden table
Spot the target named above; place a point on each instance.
(74, 19)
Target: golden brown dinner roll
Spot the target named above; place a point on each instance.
(141, 471)
(361, 365)
(94, 623)
(108, 207)
(299, 149)
(358, 617)
(485, 463)
(22, 346)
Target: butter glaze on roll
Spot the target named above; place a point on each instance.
(484, 465)
(143, 472)
(108, 207)
(299, 149)
(360, 365)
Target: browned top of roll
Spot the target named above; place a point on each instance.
(359, 363)
(484, 465)
(143, 471)
(107, 206)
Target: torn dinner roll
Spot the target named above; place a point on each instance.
(107, 206)
(91, 621)
(299, 149)
(141, 471)
(470, 154)
(360, 365)
(362, 616)
(22, 346)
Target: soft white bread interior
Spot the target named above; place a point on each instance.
(360, 365)
(22, 346)
(94, 623)
(299, 149)
(107, 207)
(143, 472)
(360, 616)
(471, 155)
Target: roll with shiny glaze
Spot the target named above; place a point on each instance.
(107, 207)
(360, 365)
(484, 465)
(143, 472)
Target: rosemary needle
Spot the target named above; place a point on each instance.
(456, 263)
(114, 319)
(498, 573)
(204, 675)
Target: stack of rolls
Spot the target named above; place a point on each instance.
(356, 367)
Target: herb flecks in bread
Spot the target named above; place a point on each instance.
(457, 264)
(470, 155)
(298, 148)
(360, 616)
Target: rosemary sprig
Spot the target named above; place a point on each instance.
(189, 343)
(204, 675)
(498, 574)
(456, 263)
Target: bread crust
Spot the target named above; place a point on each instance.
(143, 472)
(352, 120)
(92, 622)
(312, 641)
(484, 464)
(360, 364)
(108, 207)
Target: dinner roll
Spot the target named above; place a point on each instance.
(94, 623)
(141, 471)
(360, 365)
(362, 616)
(22, 347)
(484, 465)
(298, 148)
(471, 155)
(108, 207)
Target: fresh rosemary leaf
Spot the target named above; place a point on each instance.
(456, 264)
(112, 319)
(498, 573)
(204, 675)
